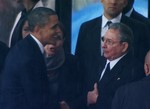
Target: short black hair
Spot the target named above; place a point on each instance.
(39, 16)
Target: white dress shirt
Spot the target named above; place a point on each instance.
(112, 64)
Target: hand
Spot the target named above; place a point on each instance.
(92, 95)
(64, 105)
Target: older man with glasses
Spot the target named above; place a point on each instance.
(118, 67)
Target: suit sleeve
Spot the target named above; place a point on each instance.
(119, 98)
(35, 84)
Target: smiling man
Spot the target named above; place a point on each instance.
(24, 80)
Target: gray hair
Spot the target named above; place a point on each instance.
(39, 16)
(126, 34)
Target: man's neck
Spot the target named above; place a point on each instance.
(29, 5)
(110, 17)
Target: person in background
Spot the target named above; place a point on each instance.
(135, 95)
(129, 11)
(16, 31)
(118, 67)
(25, 29)
(62, 73)
(24, 78)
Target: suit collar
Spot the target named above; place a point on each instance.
(128, 14)
(114, 20)
(39, 43)
(117, 69)
(33, 43)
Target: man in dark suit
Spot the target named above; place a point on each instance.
(25, 81)
(102, 82)
(129, 11)
(88, 48)
(135, 95)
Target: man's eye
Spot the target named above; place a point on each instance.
(55, 26)
(109, 41)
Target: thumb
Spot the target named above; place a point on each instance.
(95, 88)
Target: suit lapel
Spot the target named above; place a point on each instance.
(115, 71)
(36, 48)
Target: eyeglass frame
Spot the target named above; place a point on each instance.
(109, 41)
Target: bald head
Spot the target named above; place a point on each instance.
(147, 63)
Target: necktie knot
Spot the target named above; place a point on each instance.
(108, 23)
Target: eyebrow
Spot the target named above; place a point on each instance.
(55, 26)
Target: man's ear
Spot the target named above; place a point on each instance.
(37, 28)
(146, 69)
(125, 46)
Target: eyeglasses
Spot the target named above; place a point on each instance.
(109, 41)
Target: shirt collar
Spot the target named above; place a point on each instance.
(38, 4)
(114, 62)
(128, 14)
(39, 43)
(114, 20)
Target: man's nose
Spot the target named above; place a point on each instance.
(103, 44)
(58, 29)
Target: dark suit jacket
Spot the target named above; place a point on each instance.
(126, 70)
(141, 18)
(133, 96)
(3, 53)
(25, 82)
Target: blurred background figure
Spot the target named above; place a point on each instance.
(25, 29)
(135, 95)
(62, 73)
(16, 32)
(8, 12)
(132, 13)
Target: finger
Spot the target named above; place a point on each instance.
(95, 88)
